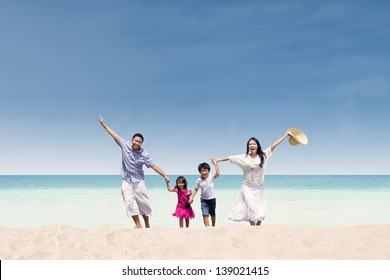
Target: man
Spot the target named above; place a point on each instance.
(134, 191)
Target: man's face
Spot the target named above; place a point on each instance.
(136, 143)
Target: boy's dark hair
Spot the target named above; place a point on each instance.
(204, 165)
(138, 135)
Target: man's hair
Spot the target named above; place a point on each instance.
(138, 135)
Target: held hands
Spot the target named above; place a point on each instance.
(216, 160)
(169, 187)
(167, 180)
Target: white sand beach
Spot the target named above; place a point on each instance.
(62, 242)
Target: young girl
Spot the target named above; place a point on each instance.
(183, 207)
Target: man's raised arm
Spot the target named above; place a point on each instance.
(109, 130)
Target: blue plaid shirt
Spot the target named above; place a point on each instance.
(132, 162)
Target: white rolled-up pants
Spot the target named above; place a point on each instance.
(136, 199)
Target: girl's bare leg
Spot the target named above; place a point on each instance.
(187, 222)
(181, 222)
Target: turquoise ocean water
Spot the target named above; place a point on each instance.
(96, 201)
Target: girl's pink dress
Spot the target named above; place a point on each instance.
(182, 199)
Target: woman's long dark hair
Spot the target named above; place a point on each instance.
(259, 150)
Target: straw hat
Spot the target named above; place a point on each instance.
(297, 137)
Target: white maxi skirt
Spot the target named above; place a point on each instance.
(250, 204)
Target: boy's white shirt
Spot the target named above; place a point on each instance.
(206, 186)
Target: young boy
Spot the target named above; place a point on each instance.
(207, 197)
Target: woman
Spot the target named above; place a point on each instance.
(251, 203)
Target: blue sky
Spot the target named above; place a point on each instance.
(197, 79)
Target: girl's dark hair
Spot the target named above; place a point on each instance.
(259, 150)
(181, 179)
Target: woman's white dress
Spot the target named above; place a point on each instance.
(251, 202)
